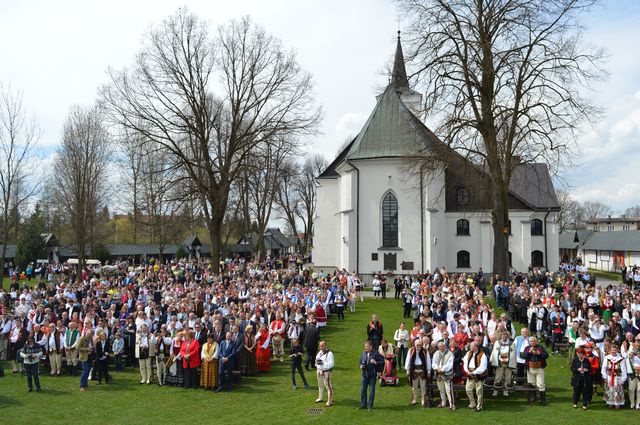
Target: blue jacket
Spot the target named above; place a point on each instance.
(371, 370)
(227, 349)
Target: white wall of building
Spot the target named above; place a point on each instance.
(326, 250)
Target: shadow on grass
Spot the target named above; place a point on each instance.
(7, 402)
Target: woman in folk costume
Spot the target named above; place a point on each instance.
(175, 374)
(614, 374)
(248, 365)
(209, 365)
(263, 350)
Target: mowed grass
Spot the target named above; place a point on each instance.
(269, 398)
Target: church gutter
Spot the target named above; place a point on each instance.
(357, 216)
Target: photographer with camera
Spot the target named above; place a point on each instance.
(31, 354)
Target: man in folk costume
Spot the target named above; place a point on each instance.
(503, 359)
(558, 327)
(278, 331)
(162, 344)
(633, 374)
(581, 379)
(324, 366)
(536, 357)
(521, 343)
(538, 319)
(71, 337)
(142, 352)
(614, 374)
(442, 364)
(55, 347)
(475, 366)
(418, 366)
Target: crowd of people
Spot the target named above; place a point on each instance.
(180, 323)
(457, 338)
(183, 325)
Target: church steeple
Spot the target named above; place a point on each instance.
(399, 74)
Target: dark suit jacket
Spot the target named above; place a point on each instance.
(228, 350)
(99, 352)
(311, 337)
(202, 339)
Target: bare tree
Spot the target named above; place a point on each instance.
(81, 184)
(306, 187)
(632, 211)
(504, 80)
(160, 200)
(18, 181)
(210, 101)
(596, 209)
(132, 153)
(287, 198)
(262, 179)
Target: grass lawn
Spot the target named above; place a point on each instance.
(270, 399)
(600, 274)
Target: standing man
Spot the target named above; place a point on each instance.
(370, 364)
(375, 332)
(558, 327)
(143, 348)
(55, 343)
(84, 346)
(536, 357)
(503, 359)
(227, 358)
(521, 343)
(278, 331)
(324, 365)
(418, 365)
(296, 363)
(71, 337)
(31, 354)
(311, 340)
(633, 374)
(475, 366)
(442, 363)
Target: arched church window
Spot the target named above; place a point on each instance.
(462, 227)
(462, 196)
(536, 227)
(537, 259)
(464, 260)
(389, 221)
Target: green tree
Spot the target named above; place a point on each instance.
(30, 243)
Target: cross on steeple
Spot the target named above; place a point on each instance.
(399, 75)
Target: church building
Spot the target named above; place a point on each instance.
(377, 211)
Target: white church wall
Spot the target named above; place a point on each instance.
(326, 249)
(376, 179)
(471, 243)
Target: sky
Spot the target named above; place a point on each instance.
(57, 53)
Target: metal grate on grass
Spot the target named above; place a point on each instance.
(316, 411)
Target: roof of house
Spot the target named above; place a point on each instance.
(532, 184)
(567, 241)
(613, 241)
(610, 219)
(191, 241)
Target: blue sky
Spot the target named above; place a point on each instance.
(57, 52)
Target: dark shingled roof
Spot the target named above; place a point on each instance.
(330, 172)
(614, 241)
(532, 184)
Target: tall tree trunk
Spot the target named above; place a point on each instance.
(500, 214)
